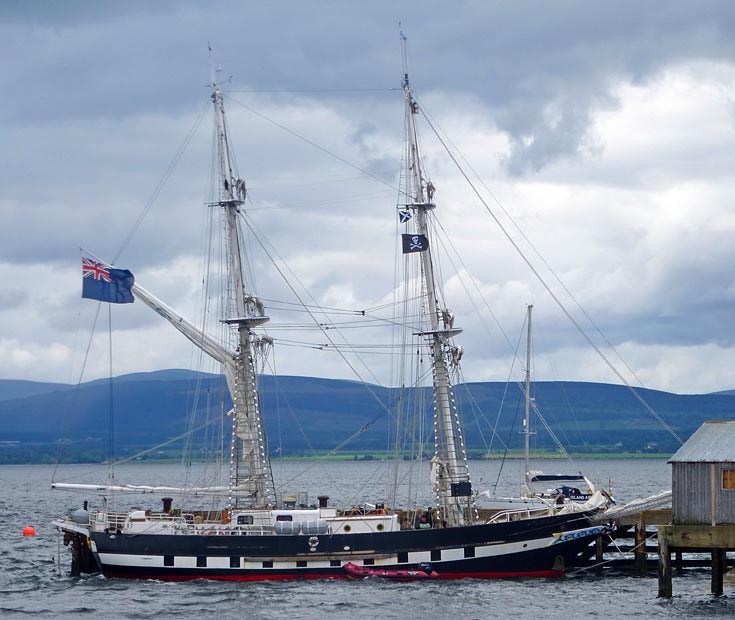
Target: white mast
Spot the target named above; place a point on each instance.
(527, 418)
(450, 471)
(250, 467)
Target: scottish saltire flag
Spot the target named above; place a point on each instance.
(405, 216)
(104, 283)
(414, 243)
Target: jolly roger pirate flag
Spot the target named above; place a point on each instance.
(414, 243)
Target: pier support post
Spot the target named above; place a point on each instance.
(599, 551)
(664, 567)
(719, 563)
(641, 557)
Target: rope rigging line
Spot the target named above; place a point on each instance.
(538, 254)
(445, 239)
(332, 310)
(168, 442)
(260, 240)
(507, 446)
(318, 90)
(360, 324)
(280, 394)
(620, 551)
(385, 407)
(75, 395)
(366, 349)
(349, 439)
(315, 145)
(162, 182)
(567, 402)
(549, 290)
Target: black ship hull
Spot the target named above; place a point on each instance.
(540, 547)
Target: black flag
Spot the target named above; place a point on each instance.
(414, 243)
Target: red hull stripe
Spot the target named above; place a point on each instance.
(301, 576)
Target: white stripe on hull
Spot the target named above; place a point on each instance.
(111, 560)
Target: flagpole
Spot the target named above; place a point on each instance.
(111, 431)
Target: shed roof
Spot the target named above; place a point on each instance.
(713, 442)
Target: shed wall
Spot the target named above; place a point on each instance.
(692, 488)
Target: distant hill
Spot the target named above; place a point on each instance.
(42, 421)
(11, 388)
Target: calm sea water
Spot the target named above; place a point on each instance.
(31, 584)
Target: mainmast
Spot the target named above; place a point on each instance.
(450, 471)
(250, 468)
(527, 418)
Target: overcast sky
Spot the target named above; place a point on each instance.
(605, 130)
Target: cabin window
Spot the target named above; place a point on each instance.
(436, 555)
(168, 560)
(244, 519)
(300, 563)
(728, 479)
(234, 561)
(469, 552)
(369, 562)
(335, 563)
(201, 561)
(284, 518)
(402, 557)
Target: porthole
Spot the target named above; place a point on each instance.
(380, 527)
(347, 528)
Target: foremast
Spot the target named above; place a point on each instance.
(450, 471)
(251, 477)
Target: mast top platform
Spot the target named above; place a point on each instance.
(247, 321)
(442, 333)
(233, 202)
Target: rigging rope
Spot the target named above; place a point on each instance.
(548, 288)
(319, 90)
(75, 396)
(164, 179)
(538, 254)
(314, 144)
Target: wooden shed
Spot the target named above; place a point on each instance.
(703, 477)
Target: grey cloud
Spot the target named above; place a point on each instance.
(12, 298)
(518, 57)
(102, 93)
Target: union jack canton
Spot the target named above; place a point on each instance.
(96, 271)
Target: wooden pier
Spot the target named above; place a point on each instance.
(699, 528)
(646, 543)
(632, 546)
(716, 540)
(702, 501)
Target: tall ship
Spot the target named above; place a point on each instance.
(258, 533)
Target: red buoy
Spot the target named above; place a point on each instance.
(29, 531)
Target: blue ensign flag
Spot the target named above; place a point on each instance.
(106, 283)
